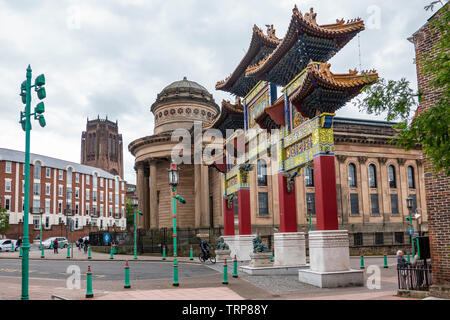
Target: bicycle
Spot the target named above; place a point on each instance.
(209, 257)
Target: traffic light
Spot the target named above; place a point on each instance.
(42, 122)
(40, 108)
(40, 81)
(23, 91)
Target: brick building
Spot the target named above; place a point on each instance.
(437, 187)
(101, 146)
(60, 188)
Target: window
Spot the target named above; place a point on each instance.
(411, 182)
(358, 239)
(37, 170)
(60, 190)
(117, 199)
(101, 182)
(60, 174)
(372, 176)
(36, 189)
(392, 179)
(123, 199)
(101, 196)
(47, 189)
(47, 222)
(23, 186)
(309, 177)
(94, 181)
(399, 237)
(101, 210)
(59, 206)
(374, 204)
(87, 209)
(354, 204)
(263, 203)
(123, 186)
(110, 183)
(123, 212)
(77, 193)
(36, 223)
(88, 194)
(48, 172)
(76, 223)
(69, 193)
(69, 176)
(379, 238)
(110, 197)
(88, 179)
(8, 166)
(47, 205)
(7, 185)
(311, 204)
(235, 206)
(262, 173)
(36, 205)
(394, 204)
(7, 204)
(77, 177)
(77, 208)
(94, 196)
(352, 175)
(110, 211)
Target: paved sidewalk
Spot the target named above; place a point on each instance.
(79, 255)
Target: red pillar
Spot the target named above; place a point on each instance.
(245, 226)
(288, 212)
(325, 188)
(228, 219)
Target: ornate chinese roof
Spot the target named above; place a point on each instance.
(260, 46)
(321, 90)
(305, 40)
(231, 116)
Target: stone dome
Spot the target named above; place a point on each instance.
(180, 104)
(184, 89)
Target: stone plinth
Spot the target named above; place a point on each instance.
(330, 261)
(221, 255)
(289, 249)
(240, 245)
(260, 259)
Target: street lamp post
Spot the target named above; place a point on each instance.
(25, 121)
(135, 206)
(409, 204)
(41, 212)
(173, 181)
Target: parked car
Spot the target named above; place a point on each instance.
(5, 245)
(62, 241)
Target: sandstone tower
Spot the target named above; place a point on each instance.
(102, 147)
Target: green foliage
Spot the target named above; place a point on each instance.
(129, 213)
(429, 129)
(4, 221)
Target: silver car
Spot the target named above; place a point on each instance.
(5, 245)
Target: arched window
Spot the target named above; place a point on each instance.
(392, 179)
(37, 170)
(411, 182)
(372, 176)
(309, 177)
(262, 173)
(351, 175)
(69, 175)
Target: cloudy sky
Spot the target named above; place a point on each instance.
(111, 58)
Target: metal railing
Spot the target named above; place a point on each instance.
(416, 277)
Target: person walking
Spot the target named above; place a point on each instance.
(55, 246)
(86, 244)
(19, 242)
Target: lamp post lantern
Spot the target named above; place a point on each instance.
(135, 202)
(173, 182)
(25, 121)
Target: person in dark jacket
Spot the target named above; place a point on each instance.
(55, 246)
(86, 244)
(19, 242)
(401, 262)
(204, 245)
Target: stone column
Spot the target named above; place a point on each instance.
(146, 193)
(206, 221)
(198, 198)
(153, 196)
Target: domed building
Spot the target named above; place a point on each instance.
(177, 106)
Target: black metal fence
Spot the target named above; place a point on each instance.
(98, 238)
(414, 277)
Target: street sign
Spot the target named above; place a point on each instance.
(410, 232)
(106, 238)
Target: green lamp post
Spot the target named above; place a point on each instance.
(309, 209)
(41, 212)
(173, 182)
(409, 204)
(25, 121)
(135, 205)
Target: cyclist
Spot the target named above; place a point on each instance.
(204, 245)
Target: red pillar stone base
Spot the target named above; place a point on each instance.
(245, 226)
(228, 219)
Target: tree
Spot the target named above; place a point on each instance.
(4, 221)
(130, 213)
(430, 128)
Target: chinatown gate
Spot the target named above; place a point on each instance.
(294, 130)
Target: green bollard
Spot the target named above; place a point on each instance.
(51, 245)
(89, 253)
(89, 292)
(127, 284)
(385, 262)
(225, 272)
(175, 272)
(20, 252)
(362, 262)
(191, 255)
(111, 255)
(12, 246)
(68, 252)
(271, 257)
(407, 257)
(235, 273)
(164, 253)
(42, 253)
